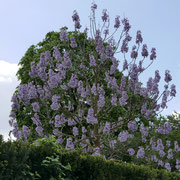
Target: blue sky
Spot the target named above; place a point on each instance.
(26, 22)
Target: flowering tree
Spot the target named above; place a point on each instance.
(75, 87)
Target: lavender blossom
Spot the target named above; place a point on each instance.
(55, 106)
(160, 163)
(176, 146)
(35, 106)
(33, 72)
(170, 154)
(75, 131)
(39, 130)
(114, 66)
(123, 99)
(132, 126)
(139, 38)
(25, 130)
(125, 65)
(106, 32)
(168, 143)
(123, 136)
(124, 47)
(67, 61)
(126, 24)
(107, 127)
(73, 42)
(96, 151)
(15, 106)
(140, 153)
(92, 61)
(36, 120)
(32, 93)
(71, 122)
(173, 90)
(134, 53)
(69, 144)
(131, 151)
(76, 19)
(94, 6)
(153, 54)
(56, 54)
(105, 16)
(162, 153)
(117, 22)
(101, 102)
(73, 81)
(168, 76)
(63, 35)
(144, 51)
(167, 166)
(84, 130)
(90, 117)
(114, 100)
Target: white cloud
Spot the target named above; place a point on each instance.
(8, 84)
(7, 71)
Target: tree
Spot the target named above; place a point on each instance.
(71, 87)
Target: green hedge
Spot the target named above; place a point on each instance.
(46, 161)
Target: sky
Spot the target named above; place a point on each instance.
(26, 22)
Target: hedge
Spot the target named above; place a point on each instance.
(19, 160)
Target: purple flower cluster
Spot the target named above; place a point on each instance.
(126, 24)
(124, 135)
(176, 147)
(15, 106)
(117, 22)
(39, 130)
(70, 144)
(90, 117)
(131, 151)
(92, 61)
(165, 128)
(124, 47)
(114, 66)
(153, 54)
(105, 16)
(173, 90)
(144, 52)
(139, 38)
(59, 120)
(94, 6)
(25, 131)
(57, 54)
(132, 126)
(168, 76)
(140, 153)
(76, 19)
(63, 35)
(107, 127)
(123, 98)
(134, 53)
(35, 106)
(55, 105)
(36, 120)
(73, 42)
(73, 81)
(33, 72)
(75, 131)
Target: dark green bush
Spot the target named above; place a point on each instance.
(45, 160)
